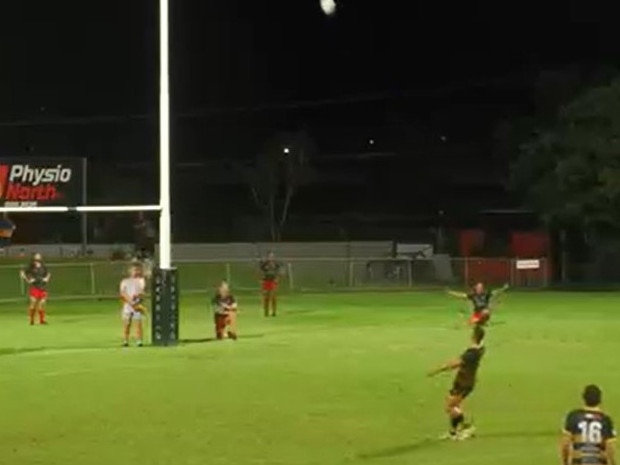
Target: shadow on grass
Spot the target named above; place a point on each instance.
(206, 340)
(400, 450)
(6, 351)
(430, 442)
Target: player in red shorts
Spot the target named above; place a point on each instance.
(480, 298)
(270, 269)
(37, 276)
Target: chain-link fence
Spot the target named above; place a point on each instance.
(100, 279)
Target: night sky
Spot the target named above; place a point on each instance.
(99, 57)
(244, 70)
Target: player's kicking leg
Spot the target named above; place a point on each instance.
(459, 429)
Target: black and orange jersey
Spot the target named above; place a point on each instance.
(37, 274)
(590, 431)
(470, 361)
(480, 301)
(270, 270)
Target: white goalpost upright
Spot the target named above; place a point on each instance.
(165, 239)
(165, 293)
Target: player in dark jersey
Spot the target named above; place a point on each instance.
(224, 312)
(588, 433)
(270, 268)
(37, 276)
(480, 299)
(464, 382)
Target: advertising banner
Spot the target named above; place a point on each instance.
(40, 182)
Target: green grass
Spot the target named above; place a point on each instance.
(336, 379)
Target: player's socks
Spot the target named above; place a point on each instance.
(266, 305)
(274, 306)
(42, 317)
(31, 314)
(456, 421)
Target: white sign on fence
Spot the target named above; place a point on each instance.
(530, 264)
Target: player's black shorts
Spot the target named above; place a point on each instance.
(460, 390)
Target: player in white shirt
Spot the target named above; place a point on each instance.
(132, 292)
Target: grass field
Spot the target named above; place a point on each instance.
(335, 379)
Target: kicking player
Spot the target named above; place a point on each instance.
(588, 433)
(132, 292)
(480, 298)
(224, 312)
(271, 273)
(464, 382)
(37, 276)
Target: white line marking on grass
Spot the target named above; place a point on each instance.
(68, 351)
(69, 372)
(96, 370)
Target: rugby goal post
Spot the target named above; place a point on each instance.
(165, 290)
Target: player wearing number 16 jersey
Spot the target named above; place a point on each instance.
(588, 433)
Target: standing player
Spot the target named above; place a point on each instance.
(131, 293)
(464, 382)
(480, 298)
(37, 276)
(588, 434)
(225, 312)
(270, 269)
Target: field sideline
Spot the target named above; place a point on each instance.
(335, 379)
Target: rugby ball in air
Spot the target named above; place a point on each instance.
(328, 7)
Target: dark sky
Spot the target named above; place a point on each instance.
(99, 57)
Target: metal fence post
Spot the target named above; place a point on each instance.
(351, 270)
(289, 272)
(93, 279)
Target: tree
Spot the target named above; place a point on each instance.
(276, 176)
(570, 172)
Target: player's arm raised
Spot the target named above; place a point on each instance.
(500, 290)
(458, 295)
(452, 365)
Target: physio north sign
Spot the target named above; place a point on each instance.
(32, 183)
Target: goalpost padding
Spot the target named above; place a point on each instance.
(165, 307)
